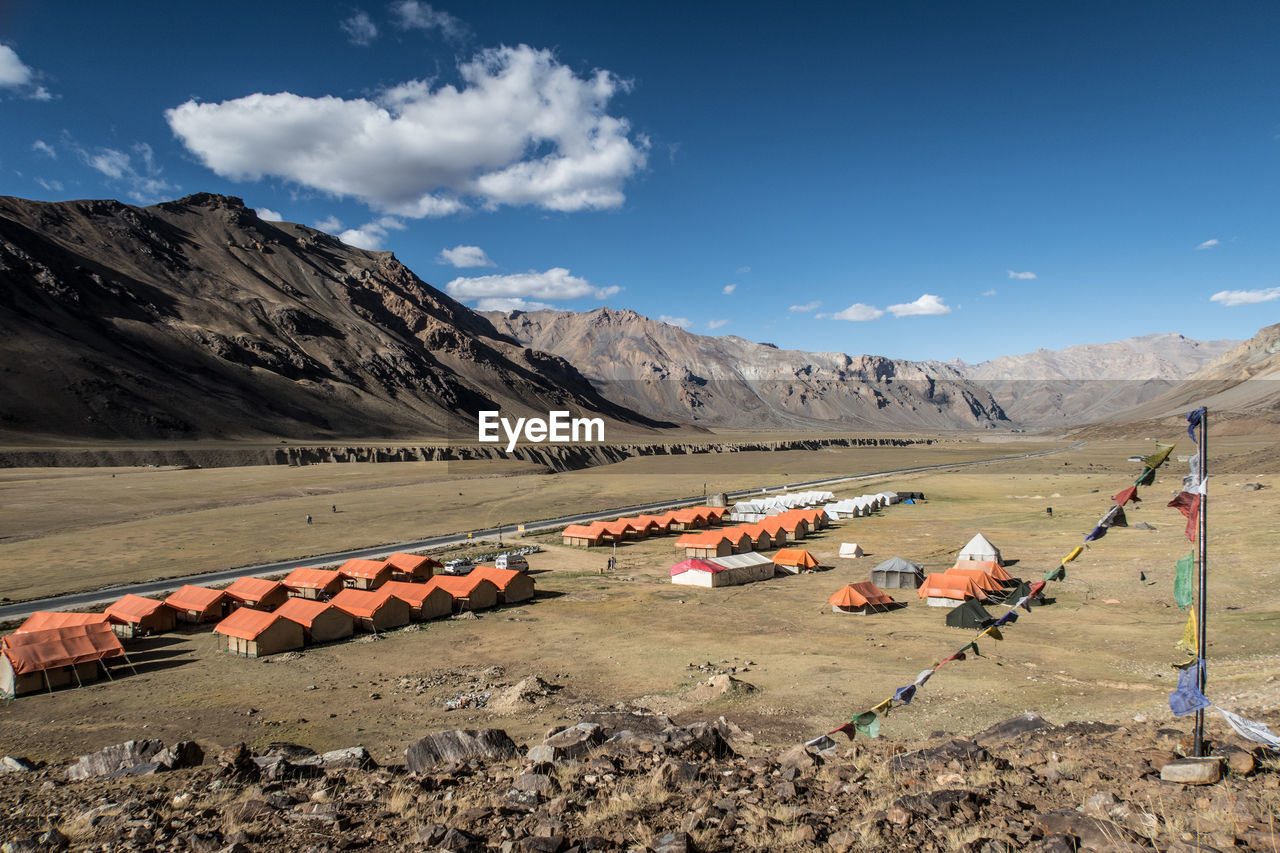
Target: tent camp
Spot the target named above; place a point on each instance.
(970, 614)
(374, 610)
(56, 657)
(321, 622)
(318, 584)
(197, 604)
(942, 590)
(794, 560)
(257, 633)
(135, 616)
(991, 567)
(864, 597)
(412, 568)
(512, 586)
(469, 593)
(364, 574)
(723, 571)
(42, 620)
(425, 602)
(981, 550)
(584, 535)
(850, 550)
(983, 581)
(897, 573)
(258, 593)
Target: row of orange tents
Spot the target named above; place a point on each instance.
(772, 532)
(626, 529)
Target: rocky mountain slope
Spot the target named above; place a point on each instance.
(728, 381)
(196, 319)
(1089, 382)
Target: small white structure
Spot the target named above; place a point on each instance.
(850, 550)
(723, 571)
(980, 550)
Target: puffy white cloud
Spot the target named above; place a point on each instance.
(1232, 298)
(555, 283)
(360, 29)
(1208, 244)
(857, 312)
(329, 225)
(522, 129)
(266, 214)
(371, 235)
(1022, 275)
(716, 324)
(808, 306)
(991, 292)
(510, 303)
(137, 171)
(728, 289)
(464, 256)
(926, 305)
(14, 73)
(680, 322)
(44, 148)
(415, 15)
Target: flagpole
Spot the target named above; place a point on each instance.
(1202, 548)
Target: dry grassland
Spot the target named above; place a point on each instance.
(631, 635)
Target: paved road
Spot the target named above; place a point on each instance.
(22, 610)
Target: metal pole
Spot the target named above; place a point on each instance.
(1202, 574)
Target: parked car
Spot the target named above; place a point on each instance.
(513, 562)
(461, 566)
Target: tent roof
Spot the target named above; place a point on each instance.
(991, 567)
(618, 527)
(412, 562)
(44, 619)
(361, 602)
(979, 544)
(741, 561)
(980, 579)
(660, 520)
(795, 557)
(246, 623)
(501, 578)
(859, 595)
(133, 608)
(710, 538)
(584, 531)
(192, 597)
(304, 610)
(364, 569)
(459, 587)
(941, 585)
(312, 578)
(850, 549)
(412, 593)
(694, 564)
(897, 564)
(35, 651)
(252, 589)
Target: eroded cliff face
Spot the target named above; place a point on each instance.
(195, 318)
(731, 382)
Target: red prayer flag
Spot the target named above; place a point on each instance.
(1189, 505)
(1129, 494)
(847, 729)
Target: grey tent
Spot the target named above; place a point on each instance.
(1024, 588)
(897, 573)
(970, 614)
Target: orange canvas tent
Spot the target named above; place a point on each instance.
(859, 598)
(588, 535)
(364, 574)
(941, 590)
(425, 601)
(196, 604)
(54, 657)
(795, 558)
(412, 567)
(512, 586)
(258, 592)
(321, 622)
(469, 592)
(374, 610)
(990, 567)
(313, 583)
(44, 619)
(134, 616)
(981, 579)
(257, 633)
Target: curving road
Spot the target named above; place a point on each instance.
(23, 609)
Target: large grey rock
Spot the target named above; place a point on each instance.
(1028, 722)
(572, 744)
(642, 722)
(9, 764)
(700, 738)
(350, 758)
(425, 755)
(113, 759)
(1093, 832)
(185, 753)
(956, 749)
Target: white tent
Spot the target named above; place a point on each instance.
(890, 498)
(724, 571)
(850, 549)
(980, 549)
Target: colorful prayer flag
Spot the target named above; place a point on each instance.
(1194, 419)
(1188, 640)
(1098, 533)
(1075, 552)
(905, 694)
(1187, 698)
(1129, 494)
(1189, 505)
(1250, 729)
(1057, 574)
(1182, 582)
(867, 724)
(1155, 460)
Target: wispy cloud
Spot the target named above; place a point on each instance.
(856, 313)
(716, 324)
(464, 256)
(510, 303)
(268, 215)
(808, 306)
(1232, 298)
(329, 225)
(135, 169)
(991, 292)
(360, 29)
(1022, 275)
(1208, 244)
(927, 305)
(44, 148)
(19, 77)
(729, 289)
(415, 15)
(50, 185)
(555, 283)
(743, 270)
(682, 322)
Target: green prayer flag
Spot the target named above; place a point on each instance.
(867, 724)
(1182, 583)
(1057, 574)
(1146, 478)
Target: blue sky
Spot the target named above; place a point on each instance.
(914, 179)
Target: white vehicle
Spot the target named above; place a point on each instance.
(459, 567)
(513, 562)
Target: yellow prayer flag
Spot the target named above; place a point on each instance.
(1188, 640)
(1079, 549)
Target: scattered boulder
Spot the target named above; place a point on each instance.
(1028, 722)
(953, 750)
(113, 759)
(1193, 771)
(1252, 487)
(720, 685)
(425, 755)
(9, 764)
(571, 744)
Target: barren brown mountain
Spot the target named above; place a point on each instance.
(196, 319)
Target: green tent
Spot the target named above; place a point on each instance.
(971, 614)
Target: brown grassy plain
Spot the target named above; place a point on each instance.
(631, 635)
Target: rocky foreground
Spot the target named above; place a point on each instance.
(628, 780)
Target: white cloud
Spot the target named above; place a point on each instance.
(743, 270)
(1208, 244)
(716, 324)
(991, 292)
(464, 256)
(522, 129)
(1232, 298)
(414, 15)
(510, 303)
(926, 305)
(44, 148)
(52, 186)
(728, 289)
(371, 235)
(143, 180)
(360, 29)
(329, 225)
(266, 214)
(1022, 275)
(680, 322)
(555, 283)
(857, 312)
(14, 73)
(808, 306)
